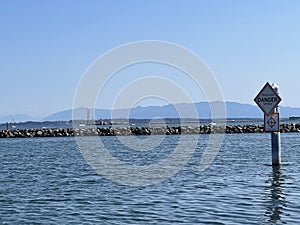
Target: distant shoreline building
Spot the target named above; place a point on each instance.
(294, 117)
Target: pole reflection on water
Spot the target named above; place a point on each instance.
(275, 195)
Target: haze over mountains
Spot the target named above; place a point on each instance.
(234, 110)
(166, 111)
(16, 118)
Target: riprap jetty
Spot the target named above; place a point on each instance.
(127, 131)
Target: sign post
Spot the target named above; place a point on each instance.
(275, 136)
(268, 100)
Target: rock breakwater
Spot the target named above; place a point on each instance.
(126, 131)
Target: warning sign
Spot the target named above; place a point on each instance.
(271, 122)
(267, 99)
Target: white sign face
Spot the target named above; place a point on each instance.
(267, 99)
(271, 122)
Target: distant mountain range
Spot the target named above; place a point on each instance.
(234, 110)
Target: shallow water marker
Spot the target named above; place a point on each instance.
(268, 99)
(271, 122)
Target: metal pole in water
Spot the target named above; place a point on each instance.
(275, 136)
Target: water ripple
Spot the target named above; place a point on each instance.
(46, 181)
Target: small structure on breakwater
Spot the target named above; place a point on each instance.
(127, 131)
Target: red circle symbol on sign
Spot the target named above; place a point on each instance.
(271, 122)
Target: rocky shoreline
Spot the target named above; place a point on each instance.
(126, 131)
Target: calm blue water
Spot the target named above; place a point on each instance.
(47, 181)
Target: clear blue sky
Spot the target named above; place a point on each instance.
(46, 46)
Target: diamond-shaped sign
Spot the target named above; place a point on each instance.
(267, 99)
(271, 123)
